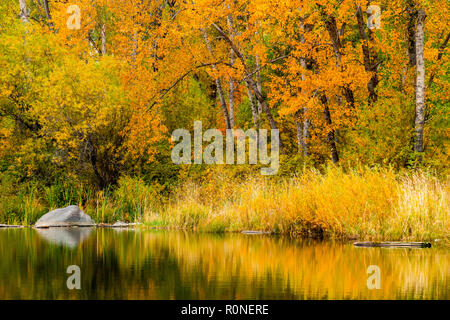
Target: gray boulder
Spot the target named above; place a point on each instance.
(70, 216)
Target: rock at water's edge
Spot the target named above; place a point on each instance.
(70, 216)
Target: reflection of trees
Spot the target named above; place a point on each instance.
(175, 265)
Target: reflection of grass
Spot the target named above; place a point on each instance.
(182, 265)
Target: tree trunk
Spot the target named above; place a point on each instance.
(420, 82)
(231, 80)
(258, 81)
(231, 96)
(24, 14)
(218, 83)
(249, 79)
(255, 114)
(253, 106)
(332, 29)
(47, 14)
(305, 133)
(411, 37)
(251, 97)
(330, 134)
(370, 58)
(300, 139)
(134, 50)
(251, 83)
(103, 31)
(92, 156)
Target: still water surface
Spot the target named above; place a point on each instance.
(149, 264)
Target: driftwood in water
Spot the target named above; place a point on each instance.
(9, 226)
(118, 224)
(393, 244)
(254, 232)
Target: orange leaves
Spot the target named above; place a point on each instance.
(118, 74)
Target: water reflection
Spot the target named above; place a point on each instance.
(145, 264)
(69, 237)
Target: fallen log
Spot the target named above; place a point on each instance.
(9, 226)
(254, 232)
(395, 244)
(118, 224)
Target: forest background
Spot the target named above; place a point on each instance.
(89, 99)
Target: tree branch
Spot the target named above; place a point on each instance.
(164, 91)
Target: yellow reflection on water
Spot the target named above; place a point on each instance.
(146, 264)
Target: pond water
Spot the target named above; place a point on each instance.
(150, 264)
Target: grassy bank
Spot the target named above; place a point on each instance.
(334, 203)
(369, 204)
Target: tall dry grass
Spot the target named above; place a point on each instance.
(366, 203)
(379, 204)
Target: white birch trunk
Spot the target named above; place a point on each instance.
(232, 82)
(103, 39)
(23, 11)
(305, 134)
(420, 82)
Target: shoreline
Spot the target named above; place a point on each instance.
(434, 243)
(360, 204)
